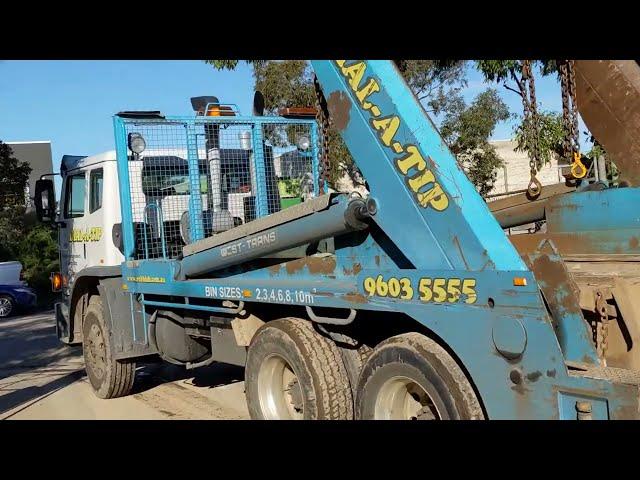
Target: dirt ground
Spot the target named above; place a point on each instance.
(40, 378)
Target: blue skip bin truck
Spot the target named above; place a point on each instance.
(214, 238)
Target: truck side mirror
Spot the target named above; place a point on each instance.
(45, 201)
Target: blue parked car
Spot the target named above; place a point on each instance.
(15, 294)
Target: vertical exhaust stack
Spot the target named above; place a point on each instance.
(212, 147)
(212, 132)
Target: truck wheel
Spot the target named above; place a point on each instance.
(293, 372)
(354, 360)
(6, 306)
(110, 378)
(411, 377)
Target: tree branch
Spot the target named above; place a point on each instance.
(512, 89)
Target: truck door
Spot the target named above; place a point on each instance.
(73, 226)
(94, 238)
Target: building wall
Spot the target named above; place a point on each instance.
(38, 155)
(515, 175)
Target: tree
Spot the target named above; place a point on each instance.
(38, 253)
(14, 176)
(467, 129)
(550, 139)
(33, 245)
(290, 83)
(436, 83)
(551, 128)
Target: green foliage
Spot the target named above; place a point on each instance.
(436, 83)
(550, 139)
(38, 253)
(501, 71)
(551, 128)
(498, 70)
(33, 245)
(223, 64)
(467, 130)
(290, 187)
(11, 231)
(14, 176)
(231, 64)
(284, 83)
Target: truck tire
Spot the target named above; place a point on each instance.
(293, 372)
(109, 378)
(354, 360)
(6, 306)
(411, 377)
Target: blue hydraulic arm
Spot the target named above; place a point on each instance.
(427, 205)
(411, 171)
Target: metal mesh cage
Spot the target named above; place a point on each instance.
(243, 170)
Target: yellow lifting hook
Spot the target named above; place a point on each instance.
(578, 170)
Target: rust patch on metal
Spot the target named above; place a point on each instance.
(347, 271)
(520, 389)
(551, 373)
(339, 106)
(274, 269)
(551, 274)
(325, 294)
(587, 359)
(377, 260)
(534, 376)
(315, 265)
(570, 243)
(355, 297)
(357, 268)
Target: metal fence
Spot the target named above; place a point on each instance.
(200, 176)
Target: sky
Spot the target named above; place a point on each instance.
(71, 103)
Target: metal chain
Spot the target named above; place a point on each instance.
(322, 118)
(567, 143)
(602, 327)
(531, 127)
(571, 143)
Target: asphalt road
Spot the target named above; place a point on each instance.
(40, 378)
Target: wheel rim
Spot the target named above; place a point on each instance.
(96, 352)
(401, 398)
(5, 306)
(279, 390)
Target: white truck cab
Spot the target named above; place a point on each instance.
(89, 208)
(89, 217)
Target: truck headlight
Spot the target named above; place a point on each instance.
(136, 143)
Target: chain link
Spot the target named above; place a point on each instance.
(601, 331)
(531, 126)
(571, 143)
(322, 117)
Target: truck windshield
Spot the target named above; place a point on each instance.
(162, 176)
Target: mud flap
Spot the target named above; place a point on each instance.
(126, 320)
(62, 322)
